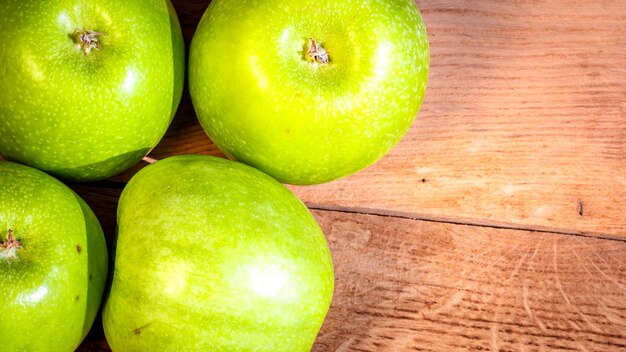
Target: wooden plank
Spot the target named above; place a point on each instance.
(405, 285)
(412, 285)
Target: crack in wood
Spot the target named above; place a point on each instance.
(466, 222)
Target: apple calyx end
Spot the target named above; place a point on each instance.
(87, 40)
(8, 249)
(317, 53)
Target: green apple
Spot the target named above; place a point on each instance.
(53, 263)
(213, 255)
(308, 91)
(88, 86)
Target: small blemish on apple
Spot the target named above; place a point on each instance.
(79, 248)
(137, 331)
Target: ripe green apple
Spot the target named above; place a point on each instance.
(308, 91)
(53, 263)
(213, 255)
(88, 86)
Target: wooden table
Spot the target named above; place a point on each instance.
(499, 222)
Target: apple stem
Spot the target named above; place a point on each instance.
(317, 53)
(9, 248)
(149, 160)
(87, 40)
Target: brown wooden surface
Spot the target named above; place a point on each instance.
(498, 223)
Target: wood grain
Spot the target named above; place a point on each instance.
(523, 125)
(406, 285)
